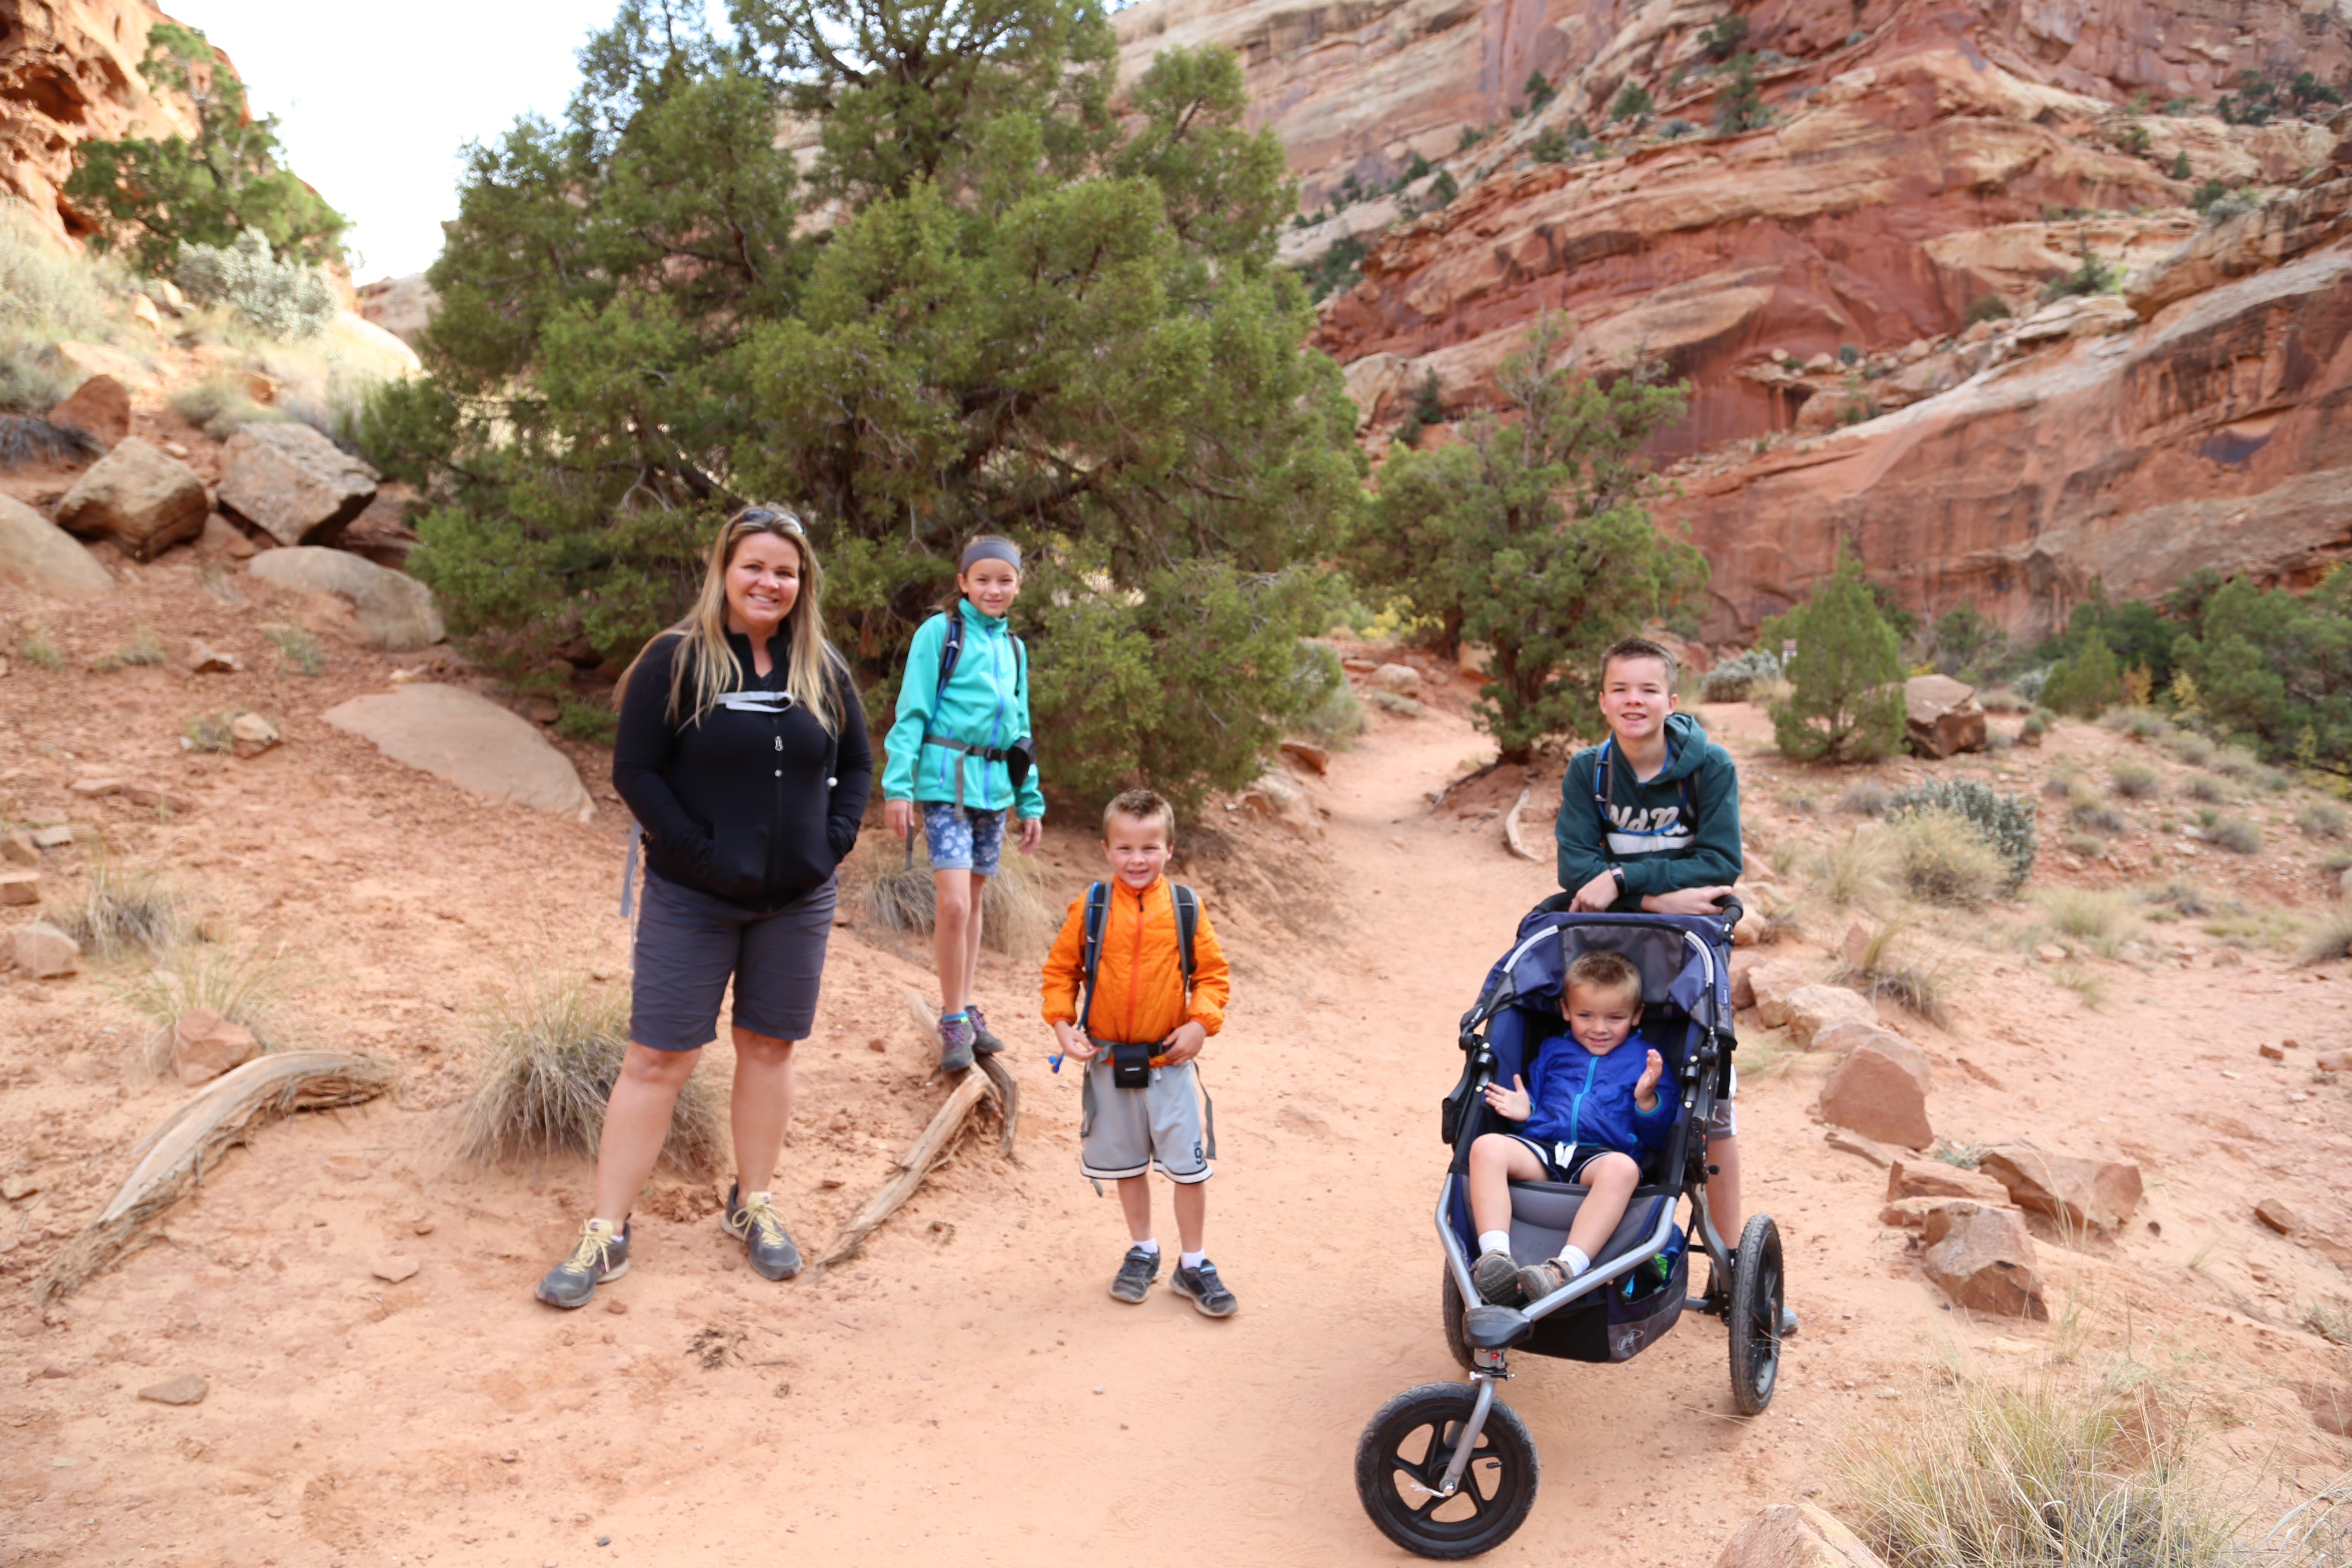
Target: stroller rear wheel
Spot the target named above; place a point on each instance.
(1451, 1309)
(1403, 1455)
(1757, 1289)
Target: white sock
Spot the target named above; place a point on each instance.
(1151, 1248)
(1494, 1241)
(1574, 1261)
(1191, 1260)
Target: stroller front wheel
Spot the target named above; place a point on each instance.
(1401, 1459)
(1758, 1287)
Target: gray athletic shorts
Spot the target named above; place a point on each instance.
(1724, 1122)
(1124, 1132)
(690, 944)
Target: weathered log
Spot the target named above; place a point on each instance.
(1511, 829)
(921, 1157)
(222, 1112)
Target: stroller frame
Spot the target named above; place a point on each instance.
(1488, 1333)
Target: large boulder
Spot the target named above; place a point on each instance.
(1941, 716)
(44, 952)
(2079, 1193)
(469, 740)
(1983, 1259)
(137, 496)
(292, 483)
(1796, 1535)
(1880, 1091)
(1812, 1009)
(101, 405)
(37, 554)
(392, 610)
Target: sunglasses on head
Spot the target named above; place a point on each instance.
(761, 517)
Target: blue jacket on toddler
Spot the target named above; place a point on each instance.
(1588, 1101)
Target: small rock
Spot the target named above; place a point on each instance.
(2097, 1194)
(1357, 664)
(18, 1186)
(1401, 679)
(56, 836)
(2276, 1215)
(186, 1389)
(607, 1540)
(1880, 1091)
(206, 659)
(250, 734)
(510, 1456)
(421, 1225)
(95, 789)
(1934, 1179)
(173, 448)
(2332, 1061)
(1983, 1259)
(204, 1045)
(541, 709)
(1315, 759)
(20, 887)
(2051, 953)
(617, 1307)
(1857, 947)
(348, 1167)
(392, 1268)
(1850, 1142)
(148, 795)
(2270, 1053)
(16, 849)
(1796, 1535)
(45, 952)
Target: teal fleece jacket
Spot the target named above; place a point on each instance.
(1647, 834)
(986, 704)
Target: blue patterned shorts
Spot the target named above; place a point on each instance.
(963, 839)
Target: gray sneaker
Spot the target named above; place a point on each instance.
(1136, 1274)
(983, 1042)
(601, 1255)
(757, 1224)
(955, 1043)
(1206, 1292)
(1497, 1275)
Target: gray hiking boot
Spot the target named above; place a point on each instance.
(955, 1043)
(1206, 1292)
(601, 1255)
(1136, 1274)
(757, 1224)
(1497, 1275)
(983, 1042)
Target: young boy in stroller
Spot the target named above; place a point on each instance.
(1588, 1110)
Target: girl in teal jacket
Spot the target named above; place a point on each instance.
(959, 754)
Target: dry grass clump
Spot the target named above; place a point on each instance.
(2095, 816)
(38, 645)
(2134, 781)
(2181, 896)
(2206, 788)
(2099, 921)
(125, 909)
(1867, 798)
(1852, 872)
(1769, 691)
(1919, 988)
(548, 1052)
(1016, 915)
(249, 988)
(2234, 834)
(27, 439)
(2140, 723)
(2189, 747)
(2330, 938)
(1941, 858)
(2331, 1320)
(2045, 1476)
(2321, 819)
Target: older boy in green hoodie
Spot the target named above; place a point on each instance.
(1649, 820)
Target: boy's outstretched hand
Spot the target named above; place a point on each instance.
(1182, 1043)
(1511, 1104)
(1645, 1090)
(1075, 1043)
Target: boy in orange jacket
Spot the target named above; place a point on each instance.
(1152, 1001)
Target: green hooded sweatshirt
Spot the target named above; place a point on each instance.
(1680, 829)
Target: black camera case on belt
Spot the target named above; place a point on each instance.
(1130, 1063)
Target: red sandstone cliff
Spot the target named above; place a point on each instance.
(69, 71)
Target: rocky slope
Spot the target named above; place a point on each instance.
(70, 72)
(1921, 167)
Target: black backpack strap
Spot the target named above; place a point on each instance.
(951, 653)
(1188, 921)
(1097, 913)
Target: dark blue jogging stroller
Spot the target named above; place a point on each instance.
(1447, 1470)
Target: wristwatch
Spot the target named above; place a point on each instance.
(1619, 873)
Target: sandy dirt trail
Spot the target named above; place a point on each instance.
(965, 1391)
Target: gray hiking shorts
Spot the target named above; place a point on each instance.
(690, 944)
(1724, 1122)
(1124, 1132)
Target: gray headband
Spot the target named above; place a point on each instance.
(991, 550)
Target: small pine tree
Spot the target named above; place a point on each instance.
(2087, 684)
(1428, 409)
(1846, 701)
(1632, 102)
(2181, 164)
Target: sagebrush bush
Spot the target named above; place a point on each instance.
(278, 298)
(2140, 723)
(2330, 937)
(2236, 834)
(1943, 858)
(2235, 761)
(2005, 822)
(2321, 819)
(1867, 798)
(2096, 815)
(2028, 684)
(2206, 788)
(2134, 781)
(2101, 921)
(2189, 747)
(1729, 681)
(2181, 895)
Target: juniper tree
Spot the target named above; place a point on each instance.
(987, 306)
(1846, 699)
(151, 194)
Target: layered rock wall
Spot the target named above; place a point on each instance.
(70, 72)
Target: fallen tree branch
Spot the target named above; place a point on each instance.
(924, 1155)
(224, 1113)
(1511, 830)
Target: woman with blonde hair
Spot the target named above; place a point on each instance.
(742, 750)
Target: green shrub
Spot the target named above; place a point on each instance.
(298, 649)
(2134, 781)
(209, 731)
(1989, 308)
(2098, 816)
(276, 299)
(2187, 746)
(2092, 274)
(2236, 834)
(1632, 102)
(38, 645)
(1729, 681)
(2140, 723)
(1550, 145)
(2088, 683)
(1339, 718)
(1739, 105)
(2005, 822)
(594, 722)
(217, 405)
(1846, 704)
(1942, 858)
(2204, 787)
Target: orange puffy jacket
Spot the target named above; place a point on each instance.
(1139, 978)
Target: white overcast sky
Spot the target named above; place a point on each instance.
(373, 102)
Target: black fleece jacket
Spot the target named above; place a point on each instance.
(735, 803)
